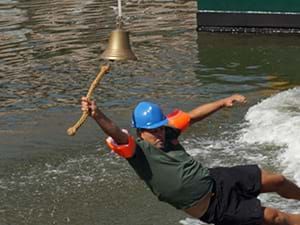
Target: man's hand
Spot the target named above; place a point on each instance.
(89, 106)
(228, 102)
(107, 125)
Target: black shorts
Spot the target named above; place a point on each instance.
(235, 201)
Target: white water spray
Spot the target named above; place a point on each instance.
(276, 120)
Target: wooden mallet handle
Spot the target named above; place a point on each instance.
(72, 130)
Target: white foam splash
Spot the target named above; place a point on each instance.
(191, 221)
(276, 120)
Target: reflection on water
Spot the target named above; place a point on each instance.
(50, 52)
(255, 62)
(41, 45)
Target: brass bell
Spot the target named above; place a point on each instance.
(118, 46)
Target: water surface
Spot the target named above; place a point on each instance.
(49, 54)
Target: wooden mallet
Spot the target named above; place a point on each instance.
(118, 49)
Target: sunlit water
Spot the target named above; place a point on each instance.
(49, 54)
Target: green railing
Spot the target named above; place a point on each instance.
(292, 6)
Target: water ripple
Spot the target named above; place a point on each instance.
(49, 51)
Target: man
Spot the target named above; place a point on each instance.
(217, 195)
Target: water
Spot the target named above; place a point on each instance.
(49, 54)
(280, 116)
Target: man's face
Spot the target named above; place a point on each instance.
(154, 136)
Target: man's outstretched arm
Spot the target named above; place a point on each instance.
(203, 111)
(107, 125)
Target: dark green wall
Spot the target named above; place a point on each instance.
(250, 5)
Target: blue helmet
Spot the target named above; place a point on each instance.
(148, 115)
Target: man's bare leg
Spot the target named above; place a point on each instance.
(276, 217)
(272, 182)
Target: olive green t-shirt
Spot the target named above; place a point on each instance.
(171, 174)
